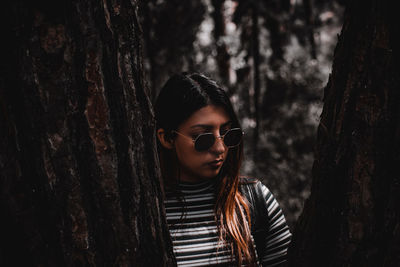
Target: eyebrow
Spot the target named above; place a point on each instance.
(207, 126)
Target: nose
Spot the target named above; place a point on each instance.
(219, 146)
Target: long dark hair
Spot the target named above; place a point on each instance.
(181, 96)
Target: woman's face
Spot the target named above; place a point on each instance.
(194, 165)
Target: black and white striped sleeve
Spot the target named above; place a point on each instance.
(278, 234)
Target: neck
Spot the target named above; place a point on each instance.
(192, 178)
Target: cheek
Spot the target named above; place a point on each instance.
(226, 153)
(187, 155)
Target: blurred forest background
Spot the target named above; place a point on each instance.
(273, 58)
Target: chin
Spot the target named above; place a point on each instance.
(214, 173)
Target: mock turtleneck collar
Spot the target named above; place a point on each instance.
(196, 187)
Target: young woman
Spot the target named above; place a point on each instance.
(215, 217)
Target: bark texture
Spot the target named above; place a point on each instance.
(352, 217)
(79, 173)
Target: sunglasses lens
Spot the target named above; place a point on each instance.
(233, 137)
(204, 142)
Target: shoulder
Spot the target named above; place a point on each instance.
(243, 180)
(257, 194)
(247, 187)
(250, 183)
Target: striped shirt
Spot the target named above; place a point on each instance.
(194, 230)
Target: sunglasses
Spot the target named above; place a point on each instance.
(205, 141)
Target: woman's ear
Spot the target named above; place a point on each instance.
(164, 140)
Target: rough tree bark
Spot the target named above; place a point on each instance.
(352, 217)
(79, 173)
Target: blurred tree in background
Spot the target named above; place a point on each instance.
(170, 31)
(273, 57)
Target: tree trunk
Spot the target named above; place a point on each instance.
(171, 33)
(309, 18)
(79, 172)
(223, 57)
(352, 217)
(256, 71)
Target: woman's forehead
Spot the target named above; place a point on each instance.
(207, 117)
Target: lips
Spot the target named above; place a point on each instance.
(216, 163)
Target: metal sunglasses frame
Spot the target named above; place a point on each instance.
(220, 137)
